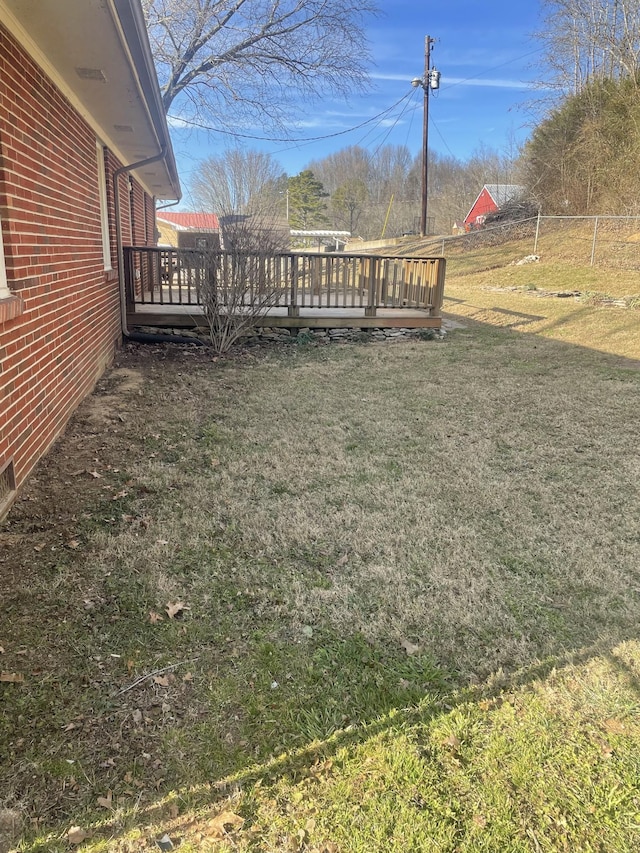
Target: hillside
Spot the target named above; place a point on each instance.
(564, 250)
(558, 296)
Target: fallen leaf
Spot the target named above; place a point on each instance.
(410, 648)
(77, 835)
(188, 676)
(453, 742)
(162, 541)
(344, 559)
(137, 717)
(73, 543)
(154, 617)
(480, 821)
(106, 802)
(1, 650)
(95, 475)
(175, 609)
(38, 547)
(307, 630)
(161, 680)
(12, 677)
(217, 828)
(174, 811)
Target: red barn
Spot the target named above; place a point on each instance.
(84, 152)
(492, 197)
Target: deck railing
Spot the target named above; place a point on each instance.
(163, 276)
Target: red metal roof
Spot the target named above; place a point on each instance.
(191, 221)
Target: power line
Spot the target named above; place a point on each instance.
(487, 70)
(302, 139)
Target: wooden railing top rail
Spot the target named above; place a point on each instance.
(355, 255)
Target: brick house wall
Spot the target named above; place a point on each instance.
(60, 326)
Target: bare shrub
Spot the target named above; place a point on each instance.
(244, 280)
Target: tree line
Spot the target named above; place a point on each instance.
(370, 195)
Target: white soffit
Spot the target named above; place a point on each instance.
(83, 47)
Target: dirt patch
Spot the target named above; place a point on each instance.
(10, 827)
(81, 475)
(113, 394)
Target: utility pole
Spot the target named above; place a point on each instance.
(430, 81)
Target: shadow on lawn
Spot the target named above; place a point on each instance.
(187, 807)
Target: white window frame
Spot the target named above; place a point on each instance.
(5, 293)
(104, 209)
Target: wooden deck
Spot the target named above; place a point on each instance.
(303, 290)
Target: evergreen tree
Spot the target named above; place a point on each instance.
(306, 201)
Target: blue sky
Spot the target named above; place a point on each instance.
(486, 55)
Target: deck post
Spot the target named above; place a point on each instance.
(370, 310)
(293, 309)
(437, 294)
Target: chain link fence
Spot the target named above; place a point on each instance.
(596, 241)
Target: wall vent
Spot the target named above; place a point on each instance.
(96, 74)
(7, 485)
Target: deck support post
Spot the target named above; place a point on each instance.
(293, 309)
(370, 309)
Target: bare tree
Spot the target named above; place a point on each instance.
(230, 60)
(386, 175)
(590, 39)
(239, 181)
(347, 204)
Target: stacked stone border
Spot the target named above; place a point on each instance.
(269, 335)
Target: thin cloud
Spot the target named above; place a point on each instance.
(494, 83)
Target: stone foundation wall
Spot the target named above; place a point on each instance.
(268, 334)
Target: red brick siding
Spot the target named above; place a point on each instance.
(138, 215)
(52, 353)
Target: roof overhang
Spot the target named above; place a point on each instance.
(97, 53)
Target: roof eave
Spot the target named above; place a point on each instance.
(117, 93)
(135, 30)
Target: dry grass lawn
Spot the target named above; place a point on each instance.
(351, 598)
